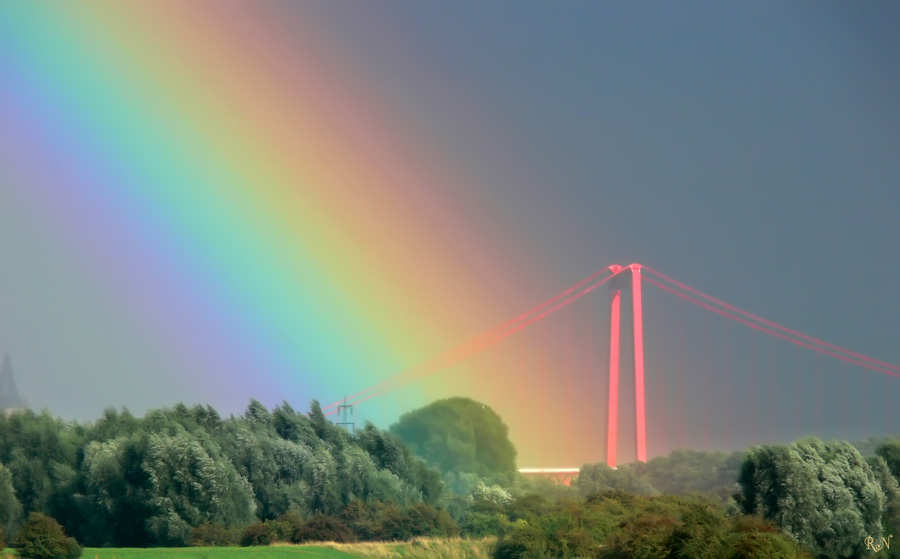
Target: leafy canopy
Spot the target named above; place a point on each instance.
(459, 435)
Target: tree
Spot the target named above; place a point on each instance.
(460, 435)
(689, 471)
(620, 525)
(190, 485)
(754, 538)
(116, 498)
(184, 474)
(153, 488)
(600, 477)
(274, 467)
(824, 496)
(257, 412)
(494, 495)
(291, 425)
(10, 507)
(43, 538)
(891, 519)
(41, 453)
(890, 451)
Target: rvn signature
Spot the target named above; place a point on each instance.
(885, 543)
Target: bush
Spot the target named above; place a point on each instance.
(212, 535)
(428, 521)
(280, 530)
(291, 520)
(169, 529)
(322, 528)
(43, 538)
(73, 548)
(764, 545)
(512, 549)
(524, 543)
(396, 523)
(361, 520)
(256, 534)
(483, 524)
(393, 522)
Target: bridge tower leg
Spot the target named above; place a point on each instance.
(612, 424)
(638, 362)
(637, 340)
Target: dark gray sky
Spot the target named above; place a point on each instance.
(747, 149)
(751, 149)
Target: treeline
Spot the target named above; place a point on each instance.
(683, 472)
(154, 481)
(825, 496)
(186, 476)
(359, 521)
(621, 525)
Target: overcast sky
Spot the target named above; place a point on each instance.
(751, 150)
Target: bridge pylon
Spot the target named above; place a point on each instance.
(618, 285)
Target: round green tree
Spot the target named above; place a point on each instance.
(459, 435)
(43, 538)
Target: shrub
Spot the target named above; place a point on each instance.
(292, 520)
(361, 520)
(482, 524)
(511, 549)
(280, 530)
(212, 535)
(702, 532)
(753, 523)
(493, 494)
(395, 523)
(169, 529)
(256, 534)
(322, 528)
(529, 507)
(426, 520)
(526, 542)
(43, 538)
(73, 548)
(764, 545)
(753, 537)
(648, 535)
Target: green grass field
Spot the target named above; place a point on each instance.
(416, 549)
(278, 552)
(212, 553)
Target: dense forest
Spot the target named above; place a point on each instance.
(128, 481)
(187, 476)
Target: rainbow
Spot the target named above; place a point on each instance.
(257, 206)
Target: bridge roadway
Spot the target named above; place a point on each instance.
(558, 475)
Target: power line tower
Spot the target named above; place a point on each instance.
(343, 411)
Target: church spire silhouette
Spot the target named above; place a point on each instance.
(9, 395)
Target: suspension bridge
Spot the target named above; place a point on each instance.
(741, 380)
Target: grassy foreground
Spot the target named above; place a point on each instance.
(416, 549)
(209, 553)
(455, 548)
